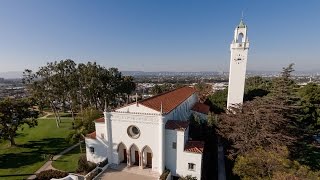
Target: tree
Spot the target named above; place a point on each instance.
(13, 114)
(258, 123)
(310, 108)
(158, 89)
(203, 90)
(256, 86)
(219, 101)
(83, 125)
(271, 164)
(64, 85)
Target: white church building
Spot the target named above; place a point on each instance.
(151, 133)
(154, 133)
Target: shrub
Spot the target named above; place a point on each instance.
(49, 174)
(84, 165)
(103, 163)
(165, 174)
(189, 177)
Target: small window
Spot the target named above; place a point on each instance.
(191, 166)
(91, 149)
(102, 136)
(174, 145)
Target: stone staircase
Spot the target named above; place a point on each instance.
(135, 170)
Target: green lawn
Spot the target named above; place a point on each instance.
(62, 115)
(69, 161)
(33, 145)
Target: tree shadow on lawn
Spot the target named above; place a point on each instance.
(40, 151)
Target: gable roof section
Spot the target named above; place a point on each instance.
(194, 146)
(91, 135)
(170, 100)
(100, 120)
(201, 108)
(177, 125)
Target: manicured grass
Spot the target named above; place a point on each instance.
(69, 161)
(62, 115)
(33, 147)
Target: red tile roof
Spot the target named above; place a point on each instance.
(194, 146)
(177, 125)
(91, 135)
(100, 120)
(170, 100)
(201, 108)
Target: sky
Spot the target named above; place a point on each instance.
(158, 35)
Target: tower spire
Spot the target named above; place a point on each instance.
(242, 16)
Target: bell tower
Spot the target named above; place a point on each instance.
(238, 64)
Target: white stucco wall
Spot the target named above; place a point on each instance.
(149, 123)
(101, 130)
(100, 150)
(171, 154)
(183, 158)
(177, 159)
(182, 112)
(237, 71)
(188, 157)
(148, 126)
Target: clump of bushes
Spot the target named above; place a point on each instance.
(103, 163)
(49, 174)
(189, 177)
(84, 166)
(165, 174)
(93, 174)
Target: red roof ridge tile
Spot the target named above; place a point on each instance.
(178, 125)
(194, 146)
(92, 135)
(168, 106)
(156, 106)
(201, 108)
(99, 120)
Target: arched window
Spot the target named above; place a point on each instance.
(240, 37)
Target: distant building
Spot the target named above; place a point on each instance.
(152, 133)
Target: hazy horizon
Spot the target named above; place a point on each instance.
(153, 36)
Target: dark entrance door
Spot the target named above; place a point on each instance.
(149, 160)
(136, 158)
(124, 156)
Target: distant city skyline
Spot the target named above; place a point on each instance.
(158, 35)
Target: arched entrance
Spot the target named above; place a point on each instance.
(147, 157)
(122, 153)
(134, 155)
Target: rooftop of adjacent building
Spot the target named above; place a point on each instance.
(194, 146)
(201, 108)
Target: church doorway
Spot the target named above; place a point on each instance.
(147, 157)
(122, 153)
(134, 155)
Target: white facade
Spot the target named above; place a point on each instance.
(152, 146)
(177, 159)
(238, 62)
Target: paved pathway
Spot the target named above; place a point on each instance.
(48, 165)
(221, 163)
(112, 174)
